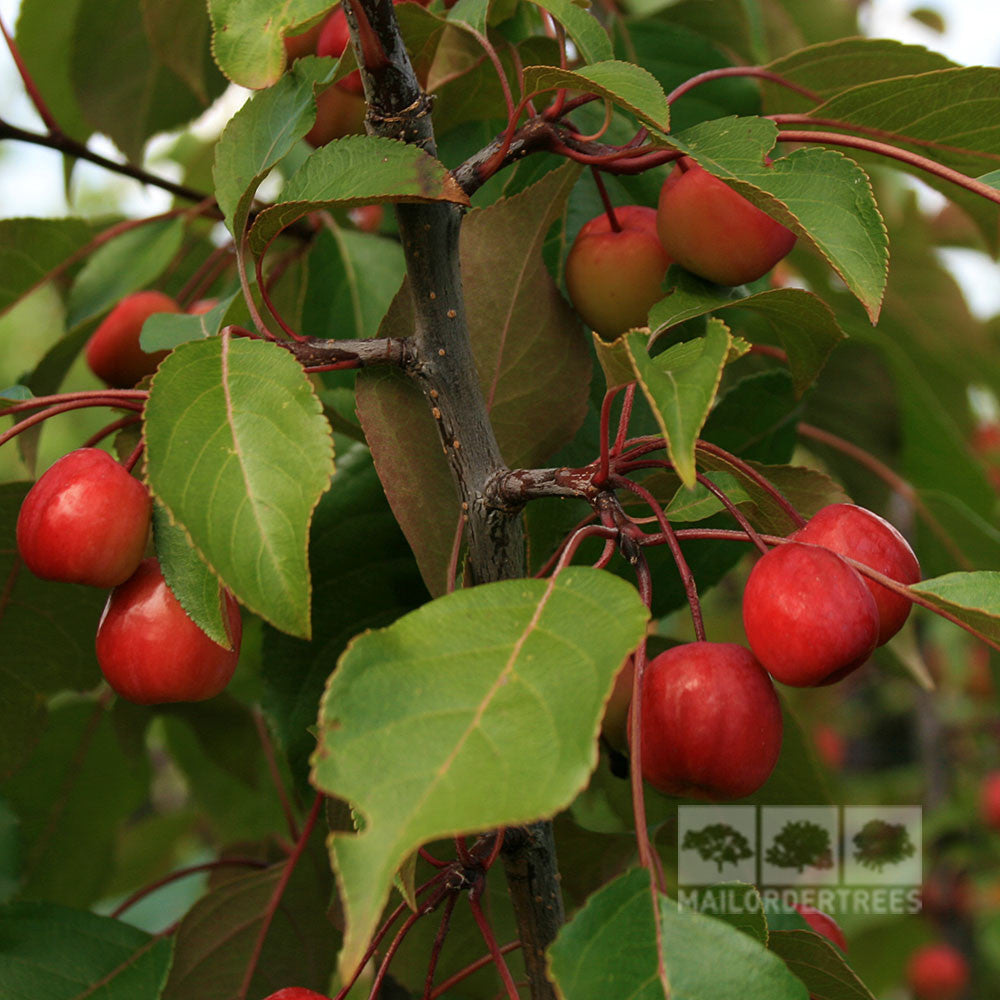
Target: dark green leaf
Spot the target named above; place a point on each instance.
(802, 322)
(239, 453)
(60, 954)
(819, 964)
(510, 677)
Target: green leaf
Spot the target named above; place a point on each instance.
(586, 31)
(956, 109)
(30, 249)
(973, 598)
(15, 394)
(472, 13)
(625, 84)
(804, 323)
(357, 170)
(72, 797)
(353, 278)
(247, 36)
(820, 194)
(680, 385)
(363, 577)
(511, 677)
(47, 635)
(46, 33)
(215, 941)
(831, 68)
(239, 453)
(124, 265)
(757, 418)
(819, 964)
(609, 949)
(178, 32)
(164, 331)
(57, 953)
(123, 88)
(189, 579)
(261, 134)
(747, 916)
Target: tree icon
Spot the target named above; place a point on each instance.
(718, 842)
(879, 843)
(799, 845)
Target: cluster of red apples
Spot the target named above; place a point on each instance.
(616, 265)
(87, 521)
(711, 723)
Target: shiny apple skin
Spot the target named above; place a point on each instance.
(113, 352)
(86, 520)
(937, 971)
(711, 722)
(712, 231)
(823, 924)
(151, 652)
(614, 277)
(808, 616)
(862, 535)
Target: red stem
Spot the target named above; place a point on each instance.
(431, 860)
(480, 963)
(442, 932)
(53, 411)
(751, 473)
(267, 746)
(604, 466)
(180, 873)
(894, 152)
(609, 209)
(95, 397)
(893, 480)
(29, 84)
(279, 891)
(262, 285)
(734, 511)
(130, 462)
(491, 942)
(624, 418)
(687, 577)
(726, 71)
(390, 954)
(880, 134)
(115, 425)
(551, 562)
(646, 853)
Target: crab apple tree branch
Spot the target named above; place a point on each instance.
(446, 373)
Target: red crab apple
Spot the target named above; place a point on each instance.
(989, 800)
(711, 722)
(706, 227)
(869, 539)
(113, 351)
(823, 924)
(809, 617)
(296, 993)
(150, 651)
(614, 276)
(85, 521)
(937, 971)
